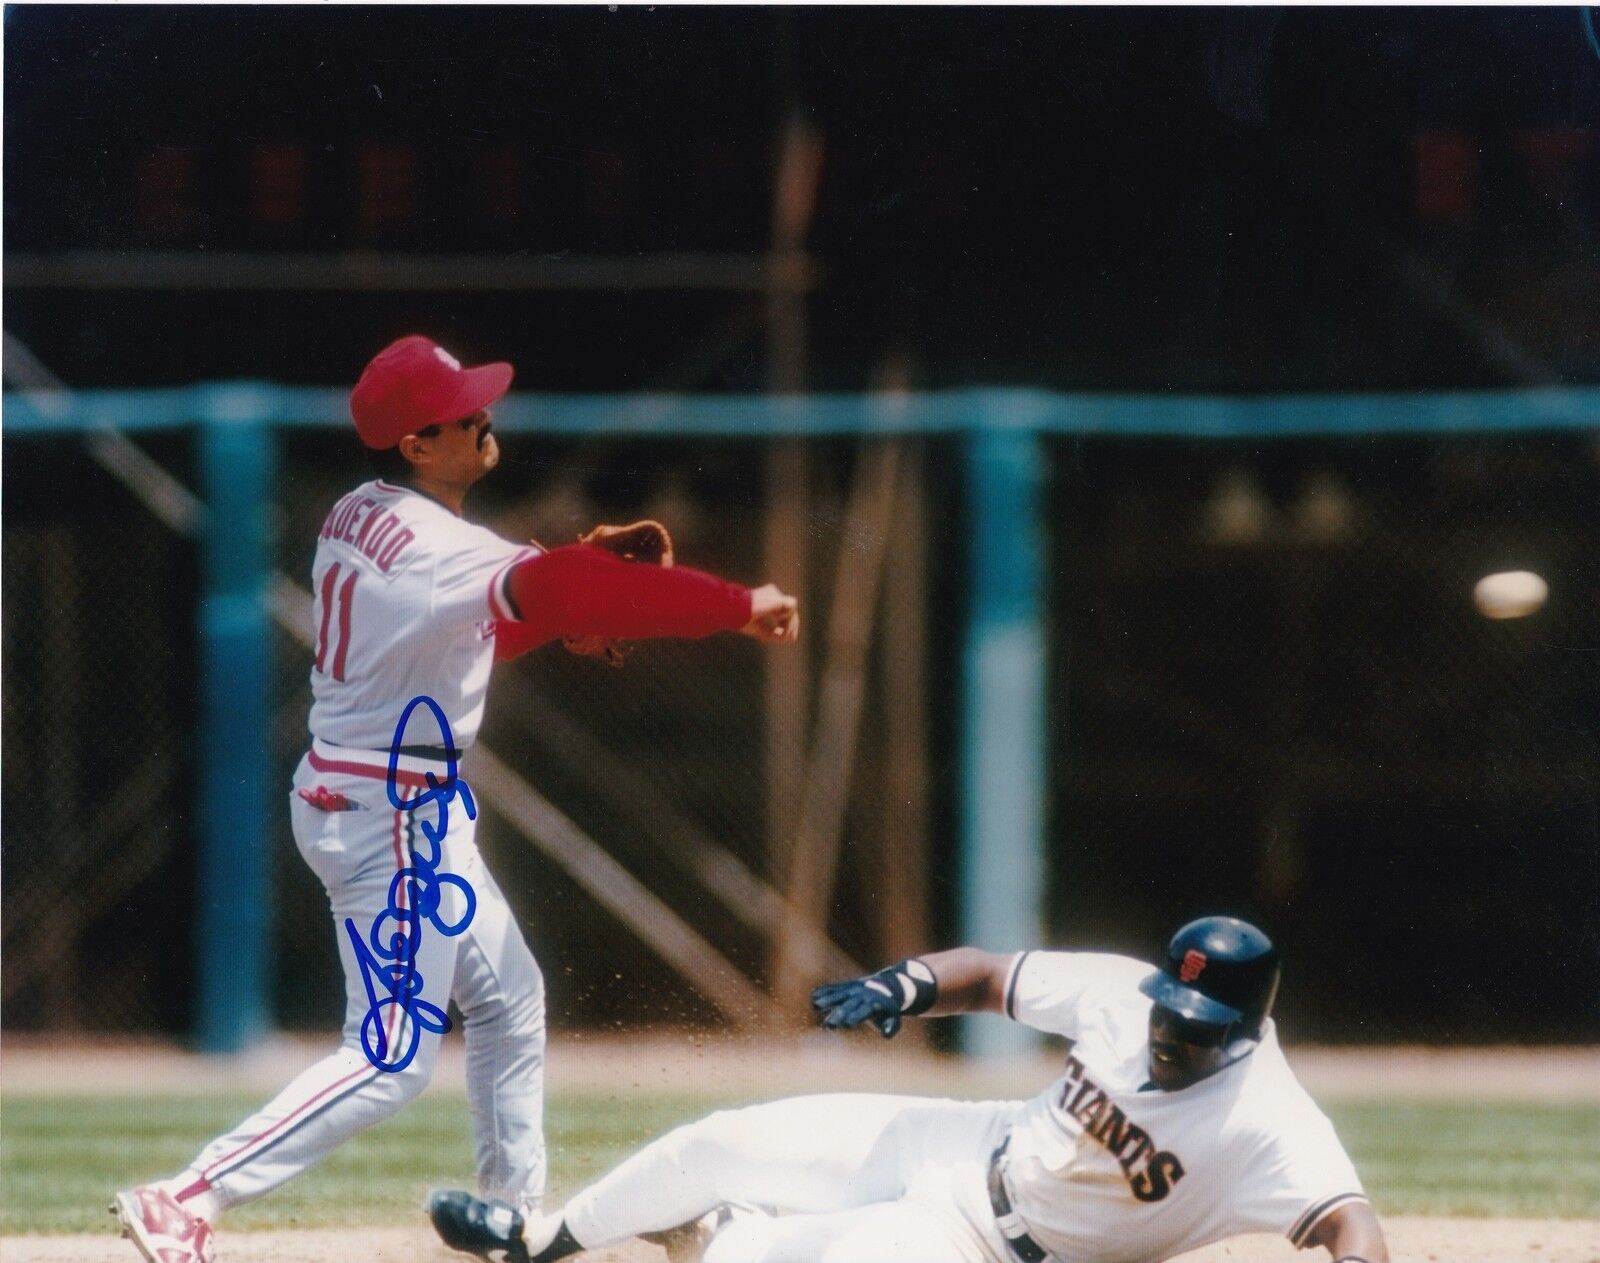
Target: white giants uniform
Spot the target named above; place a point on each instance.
(1103, 1167)
(1097, 1169)
(406, 594)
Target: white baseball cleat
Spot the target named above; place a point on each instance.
(162, 1230)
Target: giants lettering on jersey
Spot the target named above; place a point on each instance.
(1150, 1172)
(368, 527)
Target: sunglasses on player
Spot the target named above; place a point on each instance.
(1187, 1031)
(433, 431)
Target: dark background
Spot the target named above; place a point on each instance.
(1142, 198)
(1308, 725)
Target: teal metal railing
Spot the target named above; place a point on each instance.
(1004, 666)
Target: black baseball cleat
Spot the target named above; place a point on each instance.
(491, 1230)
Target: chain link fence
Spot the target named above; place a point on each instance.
(99, 711)
(661, 762)
(1270, 694)
(1280, 699)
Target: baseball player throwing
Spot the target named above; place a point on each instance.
(1175, 1123)
(410, 603)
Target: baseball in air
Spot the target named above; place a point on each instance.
(1509, 594)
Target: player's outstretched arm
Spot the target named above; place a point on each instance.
(963, 980)
(1351, 1234)
(584, 591)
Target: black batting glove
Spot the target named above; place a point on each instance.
(883, 998)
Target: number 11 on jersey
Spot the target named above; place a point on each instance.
(329, 598)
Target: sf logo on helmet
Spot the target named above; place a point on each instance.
(1193, 963)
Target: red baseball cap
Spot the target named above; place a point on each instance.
(414, 383)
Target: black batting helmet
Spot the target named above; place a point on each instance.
(1219, 970)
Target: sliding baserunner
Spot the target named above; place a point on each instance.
(1175, 1123)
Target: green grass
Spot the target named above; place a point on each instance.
(1505, 1161)
(61, 1157)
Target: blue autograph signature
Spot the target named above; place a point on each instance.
(388, 956)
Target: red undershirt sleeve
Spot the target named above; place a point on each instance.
(580, 590)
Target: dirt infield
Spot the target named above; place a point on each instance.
(1411, 1241)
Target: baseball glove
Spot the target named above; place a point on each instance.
(647, 543)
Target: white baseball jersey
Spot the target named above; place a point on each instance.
(1101, 1166)
(406, 595)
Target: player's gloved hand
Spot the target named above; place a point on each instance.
(883, 998)
(647, 543)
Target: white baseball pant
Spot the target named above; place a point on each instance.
(487, 969)
(853, 1178)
